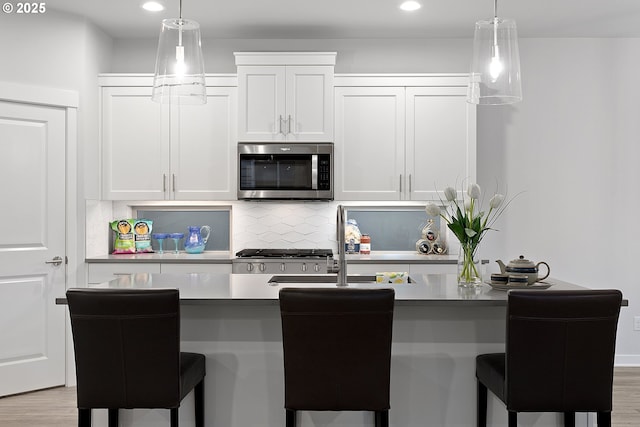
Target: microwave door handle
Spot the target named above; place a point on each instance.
(314, 171)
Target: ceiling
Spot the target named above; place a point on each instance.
(362, 18)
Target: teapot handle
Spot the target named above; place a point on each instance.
(548, 270)
(205, 230)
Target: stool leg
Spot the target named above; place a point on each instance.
(174, 417)
(199, 400)
(513, 419)
(570, 419)
(482, 405)
(604, 419)
(113, 417)
(84, 417)
(381, 418)
(290, 418)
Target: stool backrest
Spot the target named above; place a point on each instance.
(560, 349)
(127, 347)
(337, 348)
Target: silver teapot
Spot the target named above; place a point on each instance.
(524, 267)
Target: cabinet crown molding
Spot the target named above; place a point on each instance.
(285, 58)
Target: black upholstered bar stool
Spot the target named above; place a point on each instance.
(337, 350)
(127, 351)
(559, 355)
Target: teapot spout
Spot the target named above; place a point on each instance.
(503, 268)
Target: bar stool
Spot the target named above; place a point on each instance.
(127, 353)
(559, 355)
(337, 350)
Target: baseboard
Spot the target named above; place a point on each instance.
(627, 360)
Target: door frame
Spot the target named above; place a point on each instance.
(69, 100)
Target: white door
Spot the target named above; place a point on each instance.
(135, 145)
(261, 98)
(204, 148)
(369, 143)
(309, 103)
(32, 233)
(441, 140)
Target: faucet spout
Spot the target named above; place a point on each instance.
(342, 259)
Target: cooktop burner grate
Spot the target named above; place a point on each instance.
(285, 253)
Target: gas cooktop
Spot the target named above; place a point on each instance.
(285, 253)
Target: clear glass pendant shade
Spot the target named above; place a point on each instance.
(179, 77)
(495, 69)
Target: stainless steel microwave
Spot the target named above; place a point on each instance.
(302, 171)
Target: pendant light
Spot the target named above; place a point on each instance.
(179, 76)
(495, 69)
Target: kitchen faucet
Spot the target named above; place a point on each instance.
(342, 259)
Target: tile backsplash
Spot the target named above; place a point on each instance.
(284, 225)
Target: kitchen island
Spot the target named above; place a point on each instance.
(235, 321)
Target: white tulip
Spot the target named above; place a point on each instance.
(496, 201)
(467, 205)
(474, 191)
(450, 194)
(432, 209)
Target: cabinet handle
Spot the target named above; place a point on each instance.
(289, 124)
(164, 183)
(400, 183)
(173, 181)
(280, 124)
(409, 184)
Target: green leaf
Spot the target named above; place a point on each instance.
(458, 230)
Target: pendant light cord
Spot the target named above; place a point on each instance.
(180, 25)
(495, 23)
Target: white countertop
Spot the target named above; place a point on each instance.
(199, 288)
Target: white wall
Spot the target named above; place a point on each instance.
(572, 146)
(354, 55)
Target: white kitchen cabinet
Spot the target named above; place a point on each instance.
(135, 145)
(433, 269)
(153, 151)
(103, 272)
(369, 143)
(285, 97)
(195, 268)
(100, 273)
(402, 138)
(372, 269)
(440, 140)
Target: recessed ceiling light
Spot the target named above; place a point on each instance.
(152, 6)
(410, 6)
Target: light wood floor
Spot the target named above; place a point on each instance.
(56, 407)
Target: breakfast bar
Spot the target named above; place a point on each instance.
(234, 320)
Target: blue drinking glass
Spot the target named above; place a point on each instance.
(176, 239)
(160, 238)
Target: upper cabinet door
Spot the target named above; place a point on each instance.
(285, 96)
(262, 103)
(135, 145)
(203, 141)
(440, 140)
(309, 106)
(369, 143)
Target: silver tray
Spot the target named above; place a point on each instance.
(506, 287)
